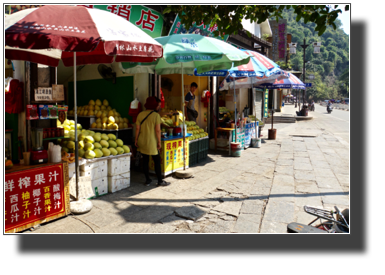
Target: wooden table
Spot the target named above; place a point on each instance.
(228, 131)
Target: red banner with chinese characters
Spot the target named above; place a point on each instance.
(34, 195)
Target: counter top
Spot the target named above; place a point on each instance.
(175, 137)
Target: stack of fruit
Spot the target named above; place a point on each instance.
(95, 145)
(194, 129)
(107, 118)
(173, 121)
(69, 127)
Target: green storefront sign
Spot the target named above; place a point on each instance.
(150, 21)
(201, 29)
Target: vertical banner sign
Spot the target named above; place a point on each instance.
(197, 28)
(171, 156)
(279, 42)
(34, 195)
(150, 21)
(265, 103)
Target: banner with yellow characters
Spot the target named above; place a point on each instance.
(171, 156)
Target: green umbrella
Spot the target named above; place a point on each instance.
(183, 53)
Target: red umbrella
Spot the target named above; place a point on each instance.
(92, 35)
(96, 36)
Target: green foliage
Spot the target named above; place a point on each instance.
(229, 17)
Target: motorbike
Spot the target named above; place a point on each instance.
(336, 221)
(329, 109)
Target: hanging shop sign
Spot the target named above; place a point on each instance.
(43, 94)
(279, 39)
(148, 20)
(197, 28)
(265, 103)
(34, 196)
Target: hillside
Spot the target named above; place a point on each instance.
(330, 66)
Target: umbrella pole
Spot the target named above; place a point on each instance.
(183, 132)
(235, 112)
(76, 133)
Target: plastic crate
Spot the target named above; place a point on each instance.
(193, 159)
(193, 146)
(202, 156)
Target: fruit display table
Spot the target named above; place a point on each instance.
(35, 194)
(171, 155)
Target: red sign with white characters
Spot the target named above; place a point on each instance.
(33, 195)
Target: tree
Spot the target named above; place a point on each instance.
(228, 18)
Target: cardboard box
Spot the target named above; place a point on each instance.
(114, 183)
(126, 180)
(89, 166)
(100, 186)
(114, 167)
(96, 173)
(125, 164)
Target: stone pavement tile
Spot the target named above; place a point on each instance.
(299, 159)
(181, 185)
(229, 174)
(267, 171)
(265, 163)
(305, 186)
(327, 183)
(68, 224)
(260, 193)
(152, 214)
(252, 206)
(285, 162)
(310, 199)
(304, 175)
(326, 149)
(116, 198)
(263, 182)
(302, 154)
(340, 170)
(322, 172)
(192, 212)
(121, 207)
(317, 157)
(229, 207)
(300, 151)
(151, 197)
(285, 156)
(273, 227)
(245, 225)
(343, 179)
(228, 187)
(345, 188)
(126, 227)
(210, 203)
(283, 180)
(284, 170)
(207, 174)
(216, 195)
(220, 226)
(172, 220)
(297, 139)
(334, 196)
(209, 185)
(282, 193)
(341, 207)
(102, 218)
(319, 163)
(302, 166)
(245, 178)
(140, 187)
(280, 211)
(159, 228)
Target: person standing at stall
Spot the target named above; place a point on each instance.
(190, 111)
(148, 139)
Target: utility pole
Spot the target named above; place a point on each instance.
(304, 46)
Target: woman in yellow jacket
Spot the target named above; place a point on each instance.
(148, 138)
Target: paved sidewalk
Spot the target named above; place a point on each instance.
(260, 192)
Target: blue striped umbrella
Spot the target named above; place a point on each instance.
(290, 83)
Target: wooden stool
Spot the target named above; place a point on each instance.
(228, 131)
